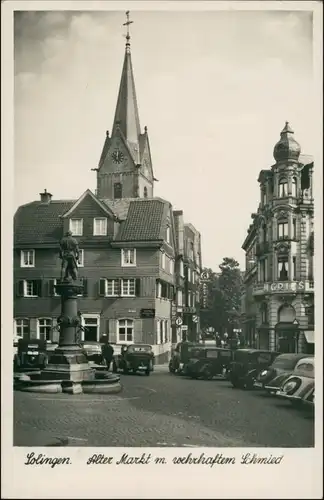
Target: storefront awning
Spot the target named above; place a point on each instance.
(309, 334)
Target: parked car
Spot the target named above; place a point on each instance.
(30, 355)
(134, 357)
(247, 364)
(93, 352)
(181, 354)
(272, 377)
(299, 387)
(208, 362)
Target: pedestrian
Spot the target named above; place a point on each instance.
(108, 353)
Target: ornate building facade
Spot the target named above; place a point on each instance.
(278, 301)
(133, 246)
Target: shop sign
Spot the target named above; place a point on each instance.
(147, 313)
(293, 286)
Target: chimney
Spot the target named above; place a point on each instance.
(45, 197)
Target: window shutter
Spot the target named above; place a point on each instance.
(138, 287)
(51, 289)
(38, 287)
(85, 287)
(102, 287)
(20, 288)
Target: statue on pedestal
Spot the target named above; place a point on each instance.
(69, 254)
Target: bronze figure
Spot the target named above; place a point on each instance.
(69, 254)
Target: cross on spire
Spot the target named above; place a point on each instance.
(128, 22)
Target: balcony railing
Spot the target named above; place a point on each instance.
(283, 287)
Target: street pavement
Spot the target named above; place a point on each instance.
(163, 410)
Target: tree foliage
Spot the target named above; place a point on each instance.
(224, 297)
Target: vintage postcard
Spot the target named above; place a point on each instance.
(161, 249)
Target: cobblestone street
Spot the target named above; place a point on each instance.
(163, 410)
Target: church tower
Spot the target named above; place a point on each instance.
(125, 166)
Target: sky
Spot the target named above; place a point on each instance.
(214, 89)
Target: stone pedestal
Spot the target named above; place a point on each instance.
(68, 362)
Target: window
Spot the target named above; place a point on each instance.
(179, 297)
(193, 300)
(283, 268)
(191, 252)
(166, 331)
(294, 263)
(193, 277)
(91, 323)
(128, 288)
(294, 187)
(158, 331)
(181, 269)
(264, 313)
(52, 290)
(128, 257)
(76, 227)
(263, 270)
(264, 197)
(31, 288)
(282, 230)
(27, 258)
(44, 328)
(100, 227)
(112, 288)
(294, 229)
(283, 188)
(118, 190)
(22, 328)
(189, 299)
(163, 260)
(162, 332)
(158, 290)
(81, 258)
(168, 233)
(125, 331)
(171, 266)
(189, 274)
(145, 192)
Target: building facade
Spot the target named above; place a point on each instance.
(278, 300)
(133, 246)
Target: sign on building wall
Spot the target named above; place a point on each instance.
(147, 313)
(284, 286)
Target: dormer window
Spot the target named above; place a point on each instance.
(168, 234)
(283, 188)
(100, 226)
(128, 257)
(118, 190)
(27, 258)
(76, 227)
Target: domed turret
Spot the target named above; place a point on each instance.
(287, 148)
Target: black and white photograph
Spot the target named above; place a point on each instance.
(166, 174)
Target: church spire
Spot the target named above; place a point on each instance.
(126, 115)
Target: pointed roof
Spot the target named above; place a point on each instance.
(126, 114)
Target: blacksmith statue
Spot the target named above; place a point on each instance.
(69, 253)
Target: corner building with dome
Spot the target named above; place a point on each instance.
(278, 298)
(139, 260)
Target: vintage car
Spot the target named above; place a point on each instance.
(93, 352)
(299, 388)
(247, 364)
(208, 362)
(180, 355)
(272, 377)
(135, 358)
(30, 355)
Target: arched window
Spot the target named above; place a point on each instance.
(294, 187)
(145, 192)
(283, 188)
(286, 314)
(118, 190)
(125, 331)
